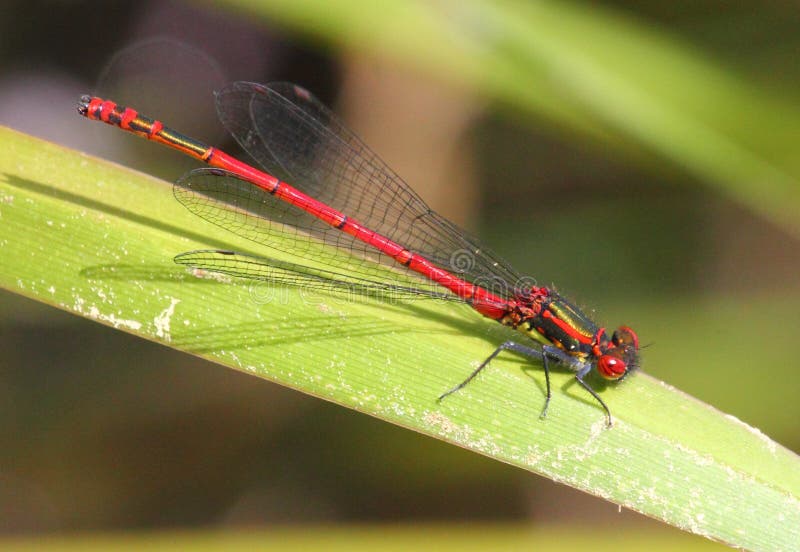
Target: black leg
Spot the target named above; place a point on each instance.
(546, 365)
(547, 353)
(507, 346)
(523, 350)
(579, 376)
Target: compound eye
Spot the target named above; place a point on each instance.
(611, 368)
(625, 336)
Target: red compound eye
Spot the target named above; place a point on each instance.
(611, 367)
(626, 336)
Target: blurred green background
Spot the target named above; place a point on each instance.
(641, 156)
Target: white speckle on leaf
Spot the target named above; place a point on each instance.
(235, 358)
(162, 321)
(769, 443)
(439, 420)
(210, 275)
(95, 313)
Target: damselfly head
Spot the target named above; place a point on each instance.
(620, 355)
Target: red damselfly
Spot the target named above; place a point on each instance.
(327, 198)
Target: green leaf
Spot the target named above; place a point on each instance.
(97, 240)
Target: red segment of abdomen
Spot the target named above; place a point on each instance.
(419, 264)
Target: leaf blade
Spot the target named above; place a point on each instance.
(91, 238)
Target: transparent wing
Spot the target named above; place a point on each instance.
(300, 141)
(276, 271)
(222, 198)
